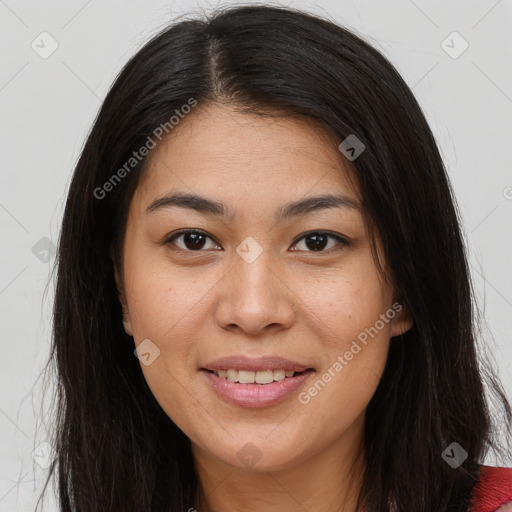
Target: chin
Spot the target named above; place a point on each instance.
(264, 453)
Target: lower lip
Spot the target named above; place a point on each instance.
(255, 395)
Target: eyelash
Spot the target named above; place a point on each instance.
(339, 238)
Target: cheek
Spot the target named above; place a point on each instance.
(351, 309)
(163, 299)
(168, 306)
(342, 389)
(163, 309)
(342, 304)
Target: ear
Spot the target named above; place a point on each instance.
(121, 295)
(402, 321)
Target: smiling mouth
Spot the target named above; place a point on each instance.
(255, 377)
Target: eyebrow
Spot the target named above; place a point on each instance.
(285, 212)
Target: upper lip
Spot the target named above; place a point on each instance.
(255, 364)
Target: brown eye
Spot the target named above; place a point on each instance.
(192, 240)
(317, 241)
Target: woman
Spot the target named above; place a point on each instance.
(263, 298)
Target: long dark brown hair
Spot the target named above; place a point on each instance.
(116, 448)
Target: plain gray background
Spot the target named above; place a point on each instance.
(48, 105)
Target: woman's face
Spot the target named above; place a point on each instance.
(252, 287)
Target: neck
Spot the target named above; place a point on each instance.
(328, 481)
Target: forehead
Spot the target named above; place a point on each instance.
(217, 149)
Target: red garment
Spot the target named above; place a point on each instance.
(492, 490)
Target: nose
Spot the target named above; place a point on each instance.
(255, 297)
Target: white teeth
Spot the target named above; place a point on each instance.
(264, 377)
(281, 374)
(250, 377)
(245, 377)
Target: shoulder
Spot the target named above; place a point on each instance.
(492, 490)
